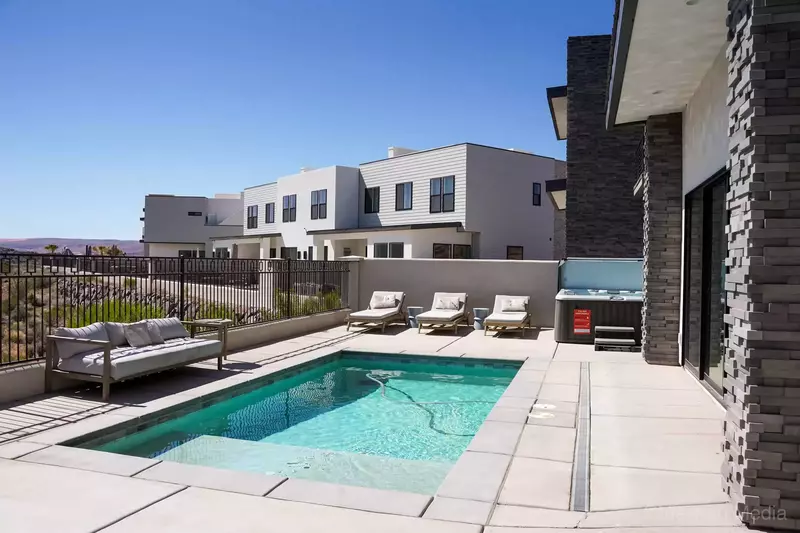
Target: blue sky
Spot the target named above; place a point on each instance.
(104, 101)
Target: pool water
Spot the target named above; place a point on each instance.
(374, 423)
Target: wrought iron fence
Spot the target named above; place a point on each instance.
(41, 292)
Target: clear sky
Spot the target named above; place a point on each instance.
(104, 101)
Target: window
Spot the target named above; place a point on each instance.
(252, 216)
(372, 200)
(442, 251)
(273, 253)
(402, 196)
(304, 255)
(310, 253)
(537, 193)
(462, 251)
(452, 251)
(191, 253)
(270, 213)
(195, 214)
(289, 253)
(347, 251)
(290, 208)
(324, 253)
(319, 204)
(514, 252)
(388, 249)
(443, 194)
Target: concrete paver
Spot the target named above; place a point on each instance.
(84, 459)
(211, 478)
(16, 449)
(718, 515)
(496, 437)
(547, 442)
(516, 516)
(361, 498)
(38, 498)
(196, 510)
(456, 510)
(537, 483)
(615, 488)
(508, 414)
(475, 476)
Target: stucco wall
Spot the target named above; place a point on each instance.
(500, 202)
(482, 280)
(705, 127)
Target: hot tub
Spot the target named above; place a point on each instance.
(598, 292)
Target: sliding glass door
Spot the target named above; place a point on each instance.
(704, 281)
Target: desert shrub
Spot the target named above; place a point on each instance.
(215, 310)
(112, 311)
(129, 283)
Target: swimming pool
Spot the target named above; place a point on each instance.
(375, 421)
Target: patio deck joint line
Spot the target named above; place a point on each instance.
(128, 515)
(579, 493)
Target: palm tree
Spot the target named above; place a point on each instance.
(100, 250)
(51, 248)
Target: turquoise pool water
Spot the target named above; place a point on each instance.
(375, 423)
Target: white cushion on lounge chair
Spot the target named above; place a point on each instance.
(439, 315)
(447, 303)
(507, 318)
(381, 298)
(374, 314)
(501, 301)
(128, 361)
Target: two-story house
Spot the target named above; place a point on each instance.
(183, 226)
(460, 201)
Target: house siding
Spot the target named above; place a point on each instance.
(260, 196)
(417, 168)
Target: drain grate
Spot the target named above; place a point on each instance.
(579, 500)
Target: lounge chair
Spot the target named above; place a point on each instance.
(510, 312)
(449, 309)
(384, 307)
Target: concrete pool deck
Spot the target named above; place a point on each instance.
(653, 435)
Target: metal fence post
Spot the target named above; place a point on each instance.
(182, 281)
(288, 288)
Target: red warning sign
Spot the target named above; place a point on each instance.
(582, 321)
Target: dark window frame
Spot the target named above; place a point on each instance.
(269, 213)
(195, 213)
(400, 197)
(389, 246)
(521, 253)
(252, 216)
(439, 200)
(319, 204)
(537, 193)
(441, 246)
(372, 200)
(289, 208)
(464, 247)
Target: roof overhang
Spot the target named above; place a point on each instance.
(405, 227)
(557, 99)
(663, 50)
(557, 191)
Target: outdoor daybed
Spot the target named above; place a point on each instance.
(384, 308)
(109, 352)
(510, 312)
(449, 309)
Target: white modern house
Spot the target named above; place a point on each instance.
(459, 201)
(183, 226)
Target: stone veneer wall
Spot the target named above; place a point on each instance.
(762, 361)
(662, 195)
(560, 218)
(604, 219)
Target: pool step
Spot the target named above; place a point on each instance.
(347, 468)
(615, 338)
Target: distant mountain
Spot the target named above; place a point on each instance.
(78, 246)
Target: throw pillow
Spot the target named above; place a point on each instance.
(154, 332)
(116, 333)
(170, 328)
(382, 301)
(513, 305)
(448, 303)
(137, 334)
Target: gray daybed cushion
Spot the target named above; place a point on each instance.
(375, 314)
(67, 350)
(515, 317)
(170, 328)
(128, 361)
(506, 318)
